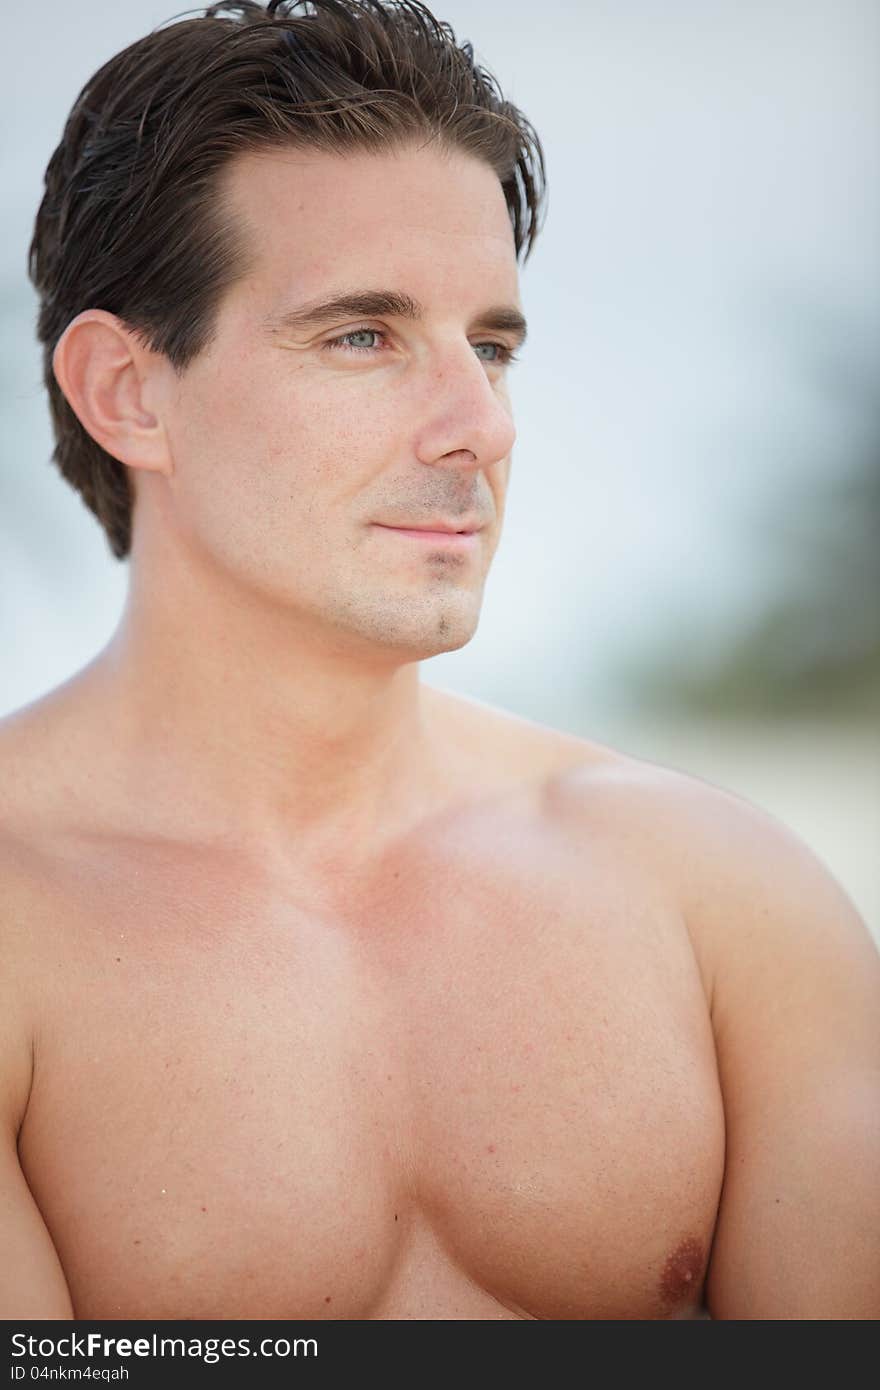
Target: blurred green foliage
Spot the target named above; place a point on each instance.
(812, 645)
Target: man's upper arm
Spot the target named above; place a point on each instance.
(32, 1283)
(794, 980)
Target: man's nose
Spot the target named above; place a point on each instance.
(468, 417)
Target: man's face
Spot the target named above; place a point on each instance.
(290, 452)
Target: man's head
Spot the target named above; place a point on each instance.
(227, 170)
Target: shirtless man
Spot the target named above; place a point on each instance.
(325, 993)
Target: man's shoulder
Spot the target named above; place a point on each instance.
(778, 942)
(32, 779)
(500, 745)
(713, 845)
(590, 785)
(21, 772)
(736, 867)
(48, 761)
(30, 740)
(38, 801)
(588, 781)
(746, 883)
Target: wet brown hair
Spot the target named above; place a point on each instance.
(131, 220)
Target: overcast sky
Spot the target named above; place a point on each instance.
(714, 213)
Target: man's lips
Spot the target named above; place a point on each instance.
(469, 522)
(454, 539)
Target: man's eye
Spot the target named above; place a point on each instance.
(505, 356)
(343, 343)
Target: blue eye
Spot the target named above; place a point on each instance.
(505, 356)
(355, 333)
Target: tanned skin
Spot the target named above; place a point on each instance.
(326, 993)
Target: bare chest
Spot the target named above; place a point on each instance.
(489, 1097)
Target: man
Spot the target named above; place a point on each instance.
(326, 993)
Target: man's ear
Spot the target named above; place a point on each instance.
(106, 375)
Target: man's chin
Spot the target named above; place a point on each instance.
(445, 635)
(424, 650)
(407, 632)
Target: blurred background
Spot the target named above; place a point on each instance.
(690, 569)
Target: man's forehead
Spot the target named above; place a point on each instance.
(364, 200)
(335, 231)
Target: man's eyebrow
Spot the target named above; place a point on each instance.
(352, 304)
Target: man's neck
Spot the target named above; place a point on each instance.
(287, 748)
